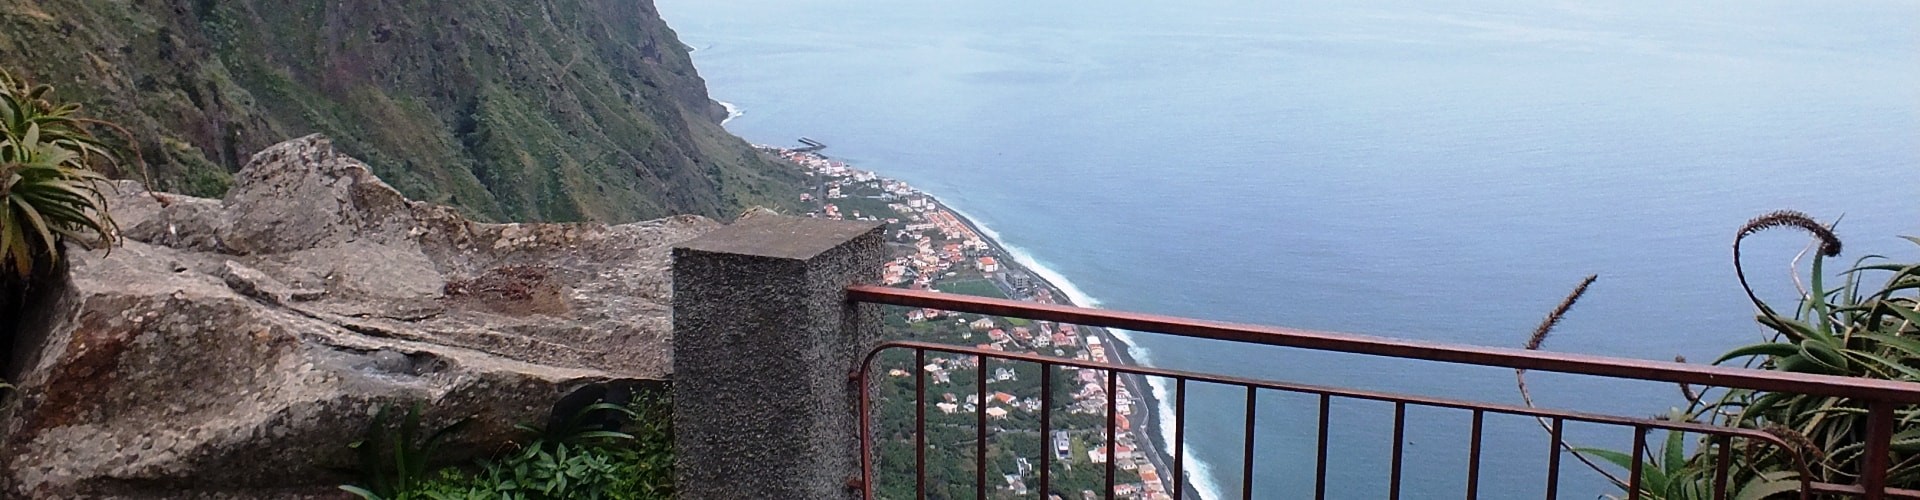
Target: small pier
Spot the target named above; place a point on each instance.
(812, 145)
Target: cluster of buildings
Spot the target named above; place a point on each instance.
(1090, 397)
(835, 180)
(815, 163)
(932, 244)
(931, 259)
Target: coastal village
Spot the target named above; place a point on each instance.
(937, 249)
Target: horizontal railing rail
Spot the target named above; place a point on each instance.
(1382, 396)
(1638, 369)
(1880, 396)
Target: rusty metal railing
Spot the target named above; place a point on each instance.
(1880, 397)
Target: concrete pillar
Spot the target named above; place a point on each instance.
(763, 343)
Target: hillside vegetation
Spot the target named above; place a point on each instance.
(511, 109)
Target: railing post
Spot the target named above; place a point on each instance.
(763, 344)
(1873, 466)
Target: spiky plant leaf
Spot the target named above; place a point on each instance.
(1674, 458)
(363, 493)
(48, 183)
(1853, 330)
(1767, 485)
(1770, 349)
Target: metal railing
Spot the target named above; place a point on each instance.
(1880, 397)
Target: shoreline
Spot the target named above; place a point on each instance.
(1154, 424)
(1147, 433)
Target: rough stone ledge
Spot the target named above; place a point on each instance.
(232, 348)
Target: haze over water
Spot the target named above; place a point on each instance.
(1433, 170)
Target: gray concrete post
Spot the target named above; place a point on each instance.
(763, 343)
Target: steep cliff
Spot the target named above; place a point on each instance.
(508, 109)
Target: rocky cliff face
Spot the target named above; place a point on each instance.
(233, 347)
(557, 110)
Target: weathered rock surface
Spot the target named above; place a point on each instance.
(232, 348)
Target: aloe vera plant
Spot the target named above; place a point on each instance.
(1868, 326)
(49, 187)
(1668, 473)
(1673, 472)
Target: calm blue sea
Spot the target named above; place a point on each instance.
(1440, 170)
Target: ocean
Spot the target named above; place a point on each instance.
(1436, 170)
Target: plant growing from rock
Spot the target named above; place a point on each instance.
(394, 463)
(1865, 327)
(49, 186)
(594, 449)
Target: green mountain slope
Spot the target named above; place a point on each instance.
(511, 109)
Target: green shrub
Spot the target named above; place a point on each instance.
(543, 470)
(565, 461)
(395, 462)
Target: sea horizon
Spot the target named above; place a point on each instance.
(1441, 172)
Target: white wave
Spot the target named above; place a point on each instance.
(732, 111)
(1199, 470)
(1020, 255)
